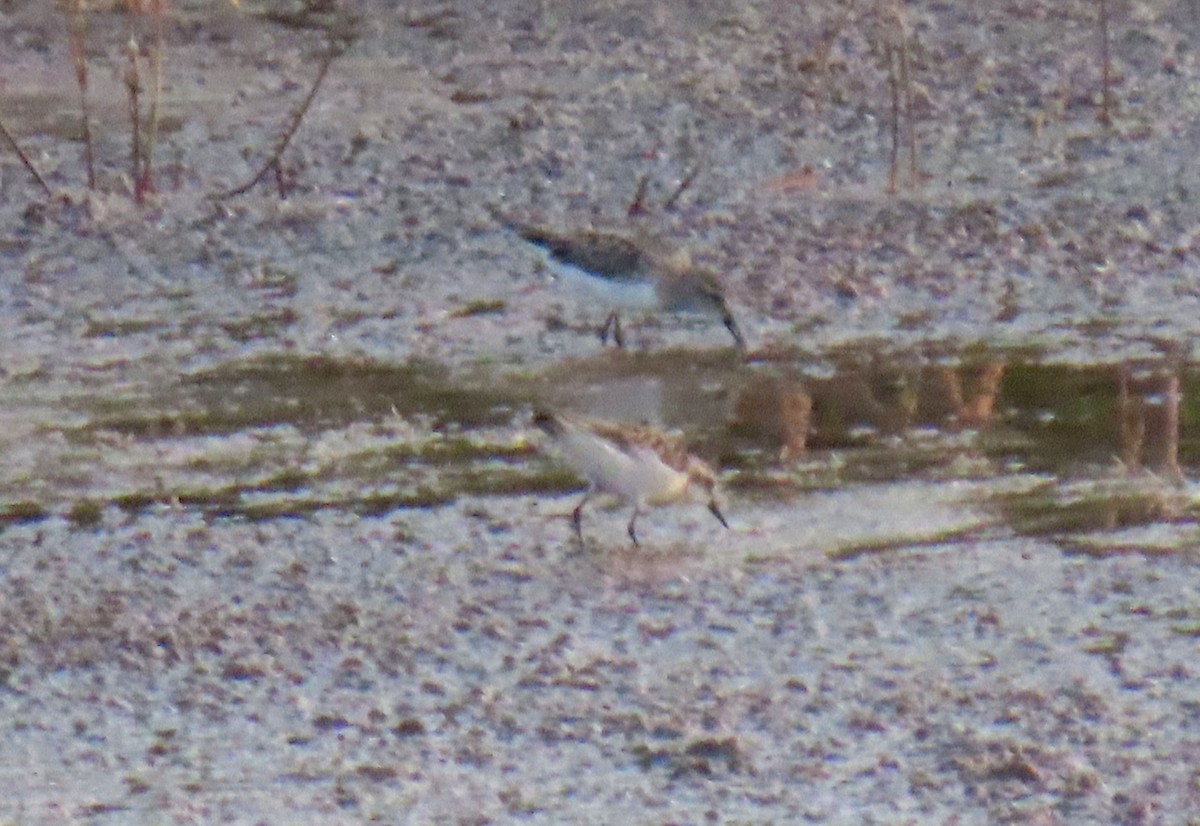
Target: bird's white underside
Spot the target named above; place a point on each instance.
(640, 295)
(638, 475)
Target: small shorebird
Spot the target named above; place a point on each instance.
(637, 463)
(624, 273)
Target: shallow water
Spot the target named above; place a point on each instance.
(1048, 448)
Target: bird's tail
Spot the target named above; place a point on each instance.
(535, 235)
(531, 233)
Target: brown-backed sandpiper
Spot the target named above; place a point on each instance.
(623, 272)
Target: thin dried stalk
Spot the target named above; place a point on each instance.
(273, 162)
(133, 87)
(77, 22)
(894, 91)
(910, 128)
(37, 176)
(900, 88)
(638, 205)
(683, 187)
(1105, 115)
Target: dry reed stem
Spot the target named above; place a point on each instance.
(1105, 115)
(133, 87)
(683, 187)
(37, 176)
(272, 163)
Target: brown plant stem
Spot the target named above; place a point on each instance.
(910, 129)
(894, 90)
(638, 205)
(683, 187)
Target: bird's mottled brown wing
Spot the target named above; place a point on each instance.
(601, 253)
(633, 438)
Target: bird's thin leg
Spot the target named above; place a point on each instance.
(715, 510)
(613, 322)
(632, 520)
(606, 327)
(577, 517)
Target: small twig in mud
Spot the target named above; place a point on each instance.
(638, 205)
(272, 164)
(683, 187)
(1104, 116)
(37, 176)
(281, 184)
(77, 20)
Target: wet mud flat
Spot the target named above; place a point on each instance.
(463, 665)
(277, 539)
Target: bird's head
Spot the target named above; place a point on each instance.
(712, 294)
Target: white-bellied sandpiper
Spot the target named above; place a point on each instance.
(637, 463)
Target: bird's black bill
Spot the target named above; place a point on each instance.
(732, 327)
(715, 511)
